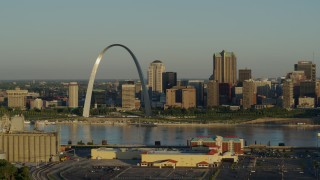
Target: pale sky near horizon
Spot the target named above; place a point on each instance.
(61, 39)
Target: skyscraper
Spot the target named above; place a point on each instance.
(249, 94)
(17, 98)
(169, 79)
(309, 69)
(225, 67)
(155, 71)
(287, 93)
(73, 94)
(199, 86)
(244, 74)
(213, 93)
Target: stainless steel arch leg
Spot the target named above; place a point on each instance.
(87, 103)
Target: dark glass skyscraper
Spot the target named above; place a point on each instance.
(309, 69)
(169, 79)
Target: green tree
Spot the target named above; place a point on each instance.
(23, 173)
(7, 170)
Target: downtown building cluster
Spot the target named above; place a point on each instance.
(297, 89)
(227, 86)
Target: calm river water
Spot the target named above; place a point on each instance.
(178, 135)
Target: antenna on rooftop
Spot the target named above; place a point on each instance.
(313, 56)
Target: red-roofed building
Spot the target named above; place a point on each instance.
(231, 144)
(203, 164)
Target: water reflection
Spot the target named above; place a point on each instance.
(178, 135)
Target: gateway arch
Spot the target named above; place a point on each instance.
(87, 103)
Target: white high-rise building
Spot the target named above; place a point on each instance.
(73, 94)
(17, 98)
(36, 104)
(155, 71)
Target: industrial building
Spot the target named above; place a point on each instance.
(29, 146)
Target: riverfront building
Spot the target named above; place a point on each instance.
(128, 96)
(181, 97)
(29, 146)
(17, 98)
(220, 144)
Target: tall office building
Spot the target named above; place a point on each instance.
(225, 93)
(155, 71)
(199, 86)
(128, 96)
(309, 69)
(17, 98)
(287, 93)
(249, 94)
(225, 67)
(212, 93)
(169, 79)
(73, 94)
(244, 74)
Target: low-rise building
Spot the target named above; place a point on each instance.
(306, 102)
(112, 153)
(184, 158)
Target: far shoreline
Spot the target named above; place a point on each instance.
(290, 122)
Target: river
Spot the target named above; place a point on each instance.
(178, 135)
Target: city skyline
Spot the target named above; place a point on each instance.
(59, 41)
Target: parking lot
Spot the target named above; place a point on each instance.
(297, 164)
(164, 173)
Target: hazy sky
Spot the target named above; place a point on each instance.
(61, 39)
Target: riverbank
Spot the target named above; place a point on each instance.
(164, 122)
